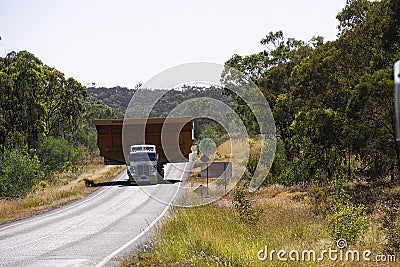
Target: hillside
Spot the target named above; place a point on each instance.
(116, 97)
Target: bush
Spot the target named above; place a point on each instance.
(18, 173)
(56, 155)
(213, 132)
(279, 164)
(86, 136)
(252, 164)
(40, 186)
(289, 177)
(348, 222)
(244, 208)
(320, 200)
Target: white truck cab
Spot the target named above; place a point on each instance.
(143, 164)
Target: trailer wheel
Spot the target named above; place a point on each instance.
(160, 168)
(129, 176)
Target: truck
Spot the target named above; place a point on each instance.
(142, 164)
(172, 139)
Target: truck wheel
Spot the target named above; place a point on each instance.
(129, 176)
(161, 172)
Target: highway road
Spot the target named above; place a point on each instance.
(94, 231)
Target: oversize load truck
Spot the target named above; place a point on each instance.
(143, 164)
(172, 138)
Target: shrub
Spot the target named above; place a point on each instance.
(348, 222)
(243, 207)
(56, 155)
(289, 177)
(213, 132)
(252, 163)
(18, 173)
(40, 186)
(86, 136)
(320, 200)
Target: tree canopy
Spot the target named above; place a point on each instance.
(333, 102)
(36, 101)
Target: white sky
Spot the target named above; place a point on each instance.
(124, 42)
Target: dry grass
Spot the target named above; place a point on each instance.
(224, 151)
(223, 154)
(214, 235)
(69, 187)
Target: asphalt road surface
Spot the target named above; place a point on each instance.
(94, 231)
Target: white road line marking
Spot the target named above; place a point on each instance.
(130, 242)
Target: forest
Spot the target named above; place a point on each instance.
(332, 103)
(46, 123)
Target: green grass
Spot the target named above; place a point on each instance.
(215, 236)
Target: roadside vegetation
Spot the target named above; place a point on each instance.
(337, 164)
(47, 137)
(232, 231)
(220, 236)
(46, 122)
(46, 125)
(65, 188)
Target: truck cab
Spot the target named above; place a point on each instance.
(142, 167)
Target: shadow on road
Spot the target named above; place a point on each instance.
(115, 183)
(126, 183)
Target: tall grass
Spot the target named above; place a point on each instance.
(216, 236)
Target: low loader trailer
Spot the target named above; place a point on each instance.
(144, 145)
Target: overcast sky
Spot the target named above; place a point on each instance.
(123, 42)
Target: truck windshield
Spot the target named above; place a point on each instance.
(143, 156)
